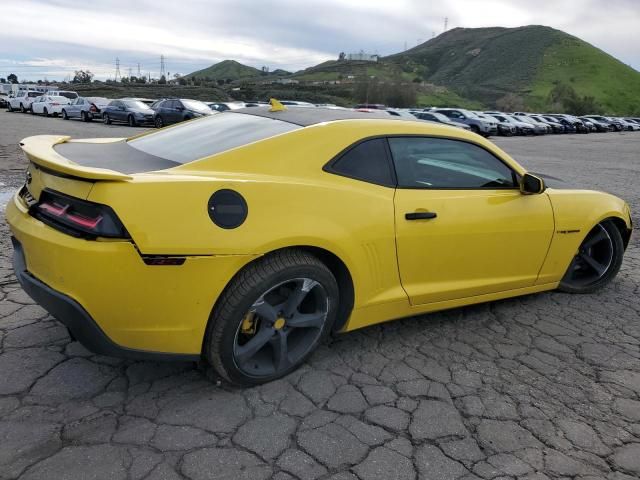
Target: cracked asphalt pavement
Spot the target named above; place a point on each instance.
(540, 387)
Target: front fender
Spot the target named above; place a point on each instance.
(576, 212)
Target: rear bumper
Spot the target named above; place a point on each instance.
(110, 299)
(82, 327)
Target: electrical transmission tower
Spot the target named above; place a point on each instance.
(117, 70)
(446, 23)
(162, 72)
(138, 69)
(129, 73)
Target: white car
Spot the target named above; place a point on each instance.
(71, 95)
(49, 105)
(22, 101)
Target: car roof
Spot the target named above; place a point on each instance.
(306, 116)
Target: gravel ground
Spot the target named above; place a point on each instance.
(539, 387)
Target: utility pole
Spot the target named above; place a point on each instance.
(117, 70)
(446, 23)
(138, 69)
(162, 72)
(129, 73)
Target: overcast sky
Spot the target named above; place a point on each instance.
(51, 38)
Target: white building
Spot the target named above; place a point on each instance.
(363, 57)
(7, 88)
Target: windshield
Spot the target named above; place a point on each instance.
(210, 135)
(69, 95)
(196, 105)
(441, 117)
(137, 104)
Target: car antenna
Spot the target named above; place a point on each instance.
(276, 106)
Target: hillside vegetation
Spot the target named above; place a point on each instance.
(227, 69)
(486, 64)
(533, 67)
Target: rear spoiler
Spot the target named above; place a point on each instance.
(39, 150)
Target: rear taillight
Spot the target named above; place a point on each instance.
(55, 104)
(77, 217)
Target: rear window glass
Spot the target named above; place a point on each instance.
(217, 133)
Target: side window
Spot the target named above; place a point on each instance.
(439, 163)
(367, 161)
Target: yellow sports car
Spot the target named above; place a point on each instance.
(248, 236)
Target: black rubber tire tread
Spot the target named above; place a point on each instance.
(616, 262)
(242, 289)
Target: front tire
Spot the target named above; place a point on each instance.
(64, 115)
(159, 123)
(22, 109)
(45, 112)
(84, 116)
(106, 119)
(271, 317)
(597, 261)
(131, 121)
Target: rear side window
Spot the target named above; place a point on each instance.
(367, 161)
(217, 133)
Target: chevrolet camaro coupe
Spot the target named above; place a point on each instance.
(246, 237)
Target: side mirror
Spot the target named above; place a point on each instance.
(531, 185)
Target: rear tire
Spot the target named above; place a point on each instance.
(84, 116)
(597, 261)
(45, 112)
(271, 294)
(106, 119)
(22, 109)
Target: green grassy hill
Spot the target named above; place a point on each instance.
(227, 69)
(485, 64)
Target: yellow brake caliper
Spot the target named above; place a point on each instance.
(249, 324)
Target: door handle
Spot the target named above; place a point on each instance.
(420, 215)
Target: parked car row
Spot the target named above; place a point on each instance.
(167, 111)
(132, 111)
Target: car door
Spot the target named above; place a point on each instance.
(36, 105)
(463, 228)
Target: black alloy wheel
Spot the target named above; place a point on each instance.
(271, 317)
(283, 324)
(596, 262)
(158, 122)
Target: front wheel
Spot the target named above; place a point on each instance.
(64, 115)
(106, 119)
(131, 121)
(158, 122)
(271, 317)
(45, 112)
(22, 109)
(597, 261)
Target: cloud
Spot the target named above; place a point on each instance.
(64, 35)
